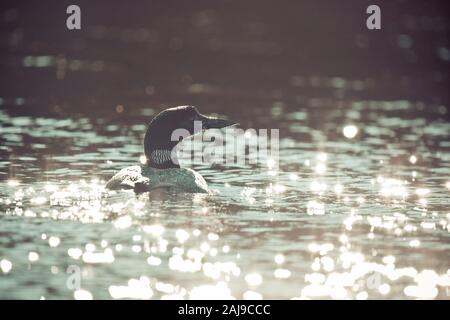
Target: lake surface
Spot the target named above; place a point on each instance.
(356, 207)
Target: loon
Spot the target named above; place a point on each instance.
(160, 169)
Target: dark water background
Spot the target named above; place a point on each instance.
(362, 217)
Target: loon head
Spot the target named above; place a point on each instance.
(159, 139)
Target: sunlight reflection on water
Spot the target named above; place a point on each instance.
(348, 219)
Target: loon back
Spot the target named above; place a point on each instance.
(144, 179)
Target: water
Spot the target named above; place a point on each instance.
(358, 207)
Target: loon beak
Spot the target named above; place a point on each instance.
(215, 123)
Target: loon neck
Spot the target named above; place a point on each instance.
(162, 159)
(159, 150)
